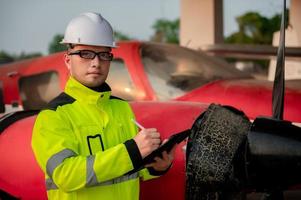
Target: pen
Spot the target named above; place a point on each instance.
(139, 125)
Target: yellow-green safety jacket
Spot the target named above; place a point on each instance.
(83, 143)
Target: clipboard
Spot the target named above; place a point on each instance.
(172, 140)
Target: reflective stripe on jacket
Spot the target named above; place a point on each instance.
(83, 143)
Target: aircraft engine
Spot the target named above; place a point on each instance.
(227, 155)
(273, 155)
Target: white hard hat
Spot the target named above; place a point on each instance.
(89, 29)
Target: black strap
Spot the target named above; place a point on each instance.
(279, 84)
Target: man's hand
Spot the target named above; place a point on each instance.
(147, 141)
(161, 164)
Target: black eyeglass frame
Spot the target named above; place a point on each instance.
(99, 54)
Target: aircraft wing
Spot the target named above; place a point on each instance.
(249, 51)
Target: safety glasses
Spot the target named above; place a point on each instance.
(88, 54)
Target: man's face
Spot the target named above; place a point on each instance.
(89, 72)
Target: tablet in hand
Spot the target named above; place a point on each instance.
(167, 146)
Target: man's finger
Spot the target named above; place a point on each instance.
(165, 156)
(156, 141)
(149, 165)
(158, 159)
(173, 150)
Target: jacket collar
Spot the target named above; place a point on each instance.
(87, 95)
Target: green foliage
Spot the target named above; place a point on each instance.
(239, 37)
(166, 31)
(255, 29)
(23, 55)
(5, 57)
(55, 45)
(121, 36)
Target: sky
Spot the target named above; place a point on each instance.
(29, 25)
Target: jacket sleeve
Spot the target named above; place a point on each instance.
(56, 150)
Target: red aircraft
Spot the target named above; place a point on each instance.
(150, 71)
(29, 84)
(146, 71)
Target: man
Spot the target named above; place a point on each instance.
(85, 141)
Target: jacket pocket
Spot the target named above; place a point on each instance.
(92, 139)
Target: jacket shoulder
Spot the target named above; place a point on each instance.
(116, 98)
(60, 100)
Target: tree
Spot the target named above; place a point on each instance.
(255, 29)
(5, 57)
(23, 55)
(121, 36)
(166, 31)
(55, 45)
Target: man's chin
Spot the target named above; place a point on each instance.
(93, 83)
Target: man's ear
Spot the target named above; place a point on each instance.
(67, 61)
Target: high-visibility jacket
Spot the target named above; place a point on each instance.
(83, 143)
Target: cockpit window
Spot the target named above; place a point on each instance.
(174, 71)
(37, 90)
(120, 81)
